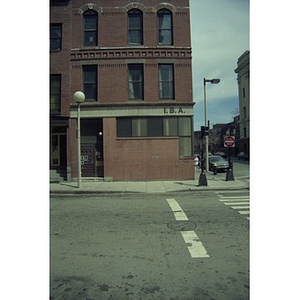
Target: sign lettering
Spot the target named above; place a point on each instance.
(172, 110)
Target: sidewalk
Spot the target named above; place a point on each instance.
(214, 182)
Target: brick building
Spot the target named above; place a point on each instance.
(133, 62)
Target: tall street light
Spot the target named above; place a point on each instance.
(79, 97)
(213, 81)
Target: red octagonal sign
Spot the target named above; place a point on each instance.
(229, 141)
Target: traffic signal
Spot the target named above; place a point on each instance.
(204, 131)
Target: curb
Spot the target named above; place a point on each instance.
(101, 192)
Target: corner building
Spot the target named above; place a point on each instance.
(132, 60)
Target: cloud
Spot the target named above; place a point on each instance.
(220, 35)
(222, 110)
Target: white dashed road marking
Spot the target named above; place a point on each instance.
(177, 210)
(191, 239)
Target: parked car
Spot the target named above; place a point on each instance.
(220, 162)
(220, 153)
(243, 155)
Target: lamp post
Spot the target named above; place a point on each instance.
(213, 81)
(79, 97)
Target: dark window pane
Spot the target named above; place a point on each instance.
(124, 127)
(155, 127)
(55, 37)
(90, 39)
(55, 32)
(135, 37)
(135, 22)
(55, 96)
(90, 91)
(55, 45)
(135, 27)
(90, 23)
(90, 82)
(90, 28)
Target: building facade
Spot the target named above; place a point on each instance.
(132, 60)
(243, 78)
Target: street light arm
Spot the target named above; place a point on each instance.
(213, 81)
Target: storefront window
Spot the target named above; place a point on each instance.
(180, 127)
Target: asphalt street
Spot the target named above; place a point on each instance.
(177, 246)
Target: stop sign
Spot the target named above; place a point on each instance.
(229, 141)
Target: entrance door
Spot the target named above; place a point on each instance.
(54, 154)
(58, 150)
(92, 148)
(87, 160)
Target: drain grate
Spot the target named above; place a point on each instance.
(182, 225)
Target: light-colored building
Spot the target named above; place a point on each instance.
(243, 78)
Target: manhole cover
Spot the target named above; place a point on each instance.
(182, 225)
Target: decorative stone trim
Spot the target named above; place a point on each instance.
(136, 5)
(88, 6)
(166, 5)
(123, 54)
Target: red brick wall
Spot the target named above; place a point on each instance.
(112, 22)
(142, 158)
(72, 147)
(60, 61)
(123, 158)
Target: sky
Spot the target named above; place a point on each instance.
(220, 35)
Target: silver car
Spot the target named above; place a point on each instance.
(219, 162)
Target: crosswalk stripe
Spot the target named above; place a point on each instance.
(244, 212)
(234, 197)
(233, 200)
(235, 203)
(241, 207)
(240, 203)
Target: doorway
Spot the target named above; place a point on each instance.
(92, 148)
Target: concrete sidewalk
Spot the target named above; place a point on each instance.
(214, 182)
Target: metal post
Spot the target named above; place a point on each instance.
(206, 124)
(202, 181)
(79, 97)
(229, 174)
(78, 146)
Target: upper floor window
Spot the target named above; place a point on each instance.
(135, 27)
(90, 82)
(55, 93)
(166, 81)
(165, 31)
(90, 18)
(135, 82)
(55, 37)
